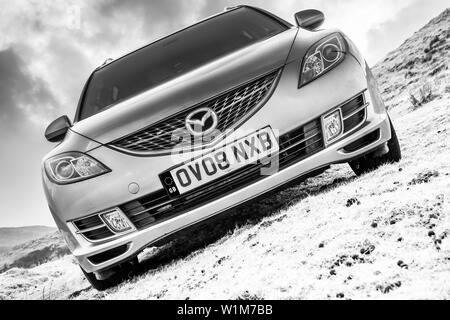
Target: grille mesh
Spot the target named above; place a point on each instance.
(231, 107)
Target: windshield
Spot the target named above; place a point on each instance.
(176, 55)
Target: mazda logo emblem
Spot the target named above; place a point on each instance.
(201, 122)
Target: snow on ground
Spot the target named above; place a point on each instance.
(384, 235)
(52, 280)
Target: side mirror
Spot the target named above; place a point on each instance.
(309, 19)
(56, 131)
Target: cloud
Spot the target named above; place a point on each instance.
(154, 14)
(23, 97)
(389, 34)
(20, 92)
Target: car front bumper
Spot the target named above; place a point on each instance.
(111, 190)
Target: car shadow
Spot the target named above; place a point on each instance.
(249, 214)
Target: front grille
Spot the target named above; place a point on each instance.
(92, 228)
(294, 147)
(231, 107)
(354, 112)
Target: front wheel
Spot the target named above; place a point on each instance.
(370, 162)
(115, 276)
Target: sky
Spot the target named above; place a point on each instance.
(48, 49)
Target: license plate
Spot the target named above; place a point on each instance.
(220, 162)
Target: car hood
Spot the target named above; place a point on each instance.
(187, 90)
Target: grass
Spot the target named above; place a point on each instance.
(425, 95)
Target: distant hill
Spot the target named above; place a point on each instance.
(10, 237)
(34, 252)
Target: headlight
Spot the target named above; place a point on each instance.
(322, 57)
(73, 167)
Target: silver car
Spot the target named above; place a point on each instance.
(201, 121)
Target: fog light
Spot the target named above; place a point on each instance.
(116, 221)
(332, 124)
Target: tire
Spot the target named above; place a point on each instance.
(369, 163)
(120, 273)
(100, 285)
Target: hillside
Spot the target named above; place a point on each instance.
(384, 235)
(420, 63)
(10, 237)
(34, 252)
